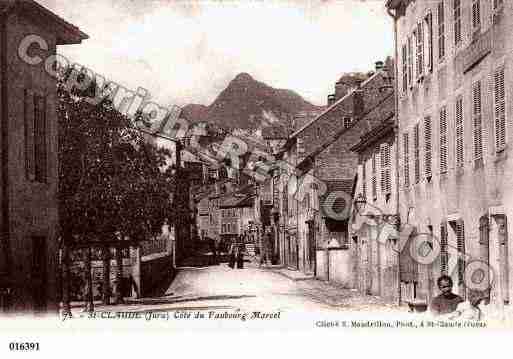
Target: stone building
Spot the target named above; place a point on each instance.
(317, 161)
(376, 260)
(455, 77)
(29, 150)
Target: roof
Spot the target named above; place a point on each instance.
(336, 103)
(66, 32)
(238, 201)
(367, 116)
(274, 133)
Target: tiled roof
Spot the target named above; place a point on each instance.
(341, 100)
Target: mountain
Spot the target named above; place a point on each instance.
(195, 113)
(249, 104)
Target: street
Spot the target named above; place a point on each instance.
(222, 288)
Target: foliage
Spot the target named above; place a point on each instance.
(112, 179)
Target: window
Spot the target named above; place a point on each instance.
(40, 138)
(444, 256)
(374, 181)
(441, 30)
(460, 155)
(476, 18)
(443, 140)
(499, 109)
(35, 137)
(347, 122)
(416, 152)
(476, 121)
(410, 61)
(364, 178)
(406, 164)
(460, 241)
(457, 22)
(427, 148)
(385, 169)
(429, 34)
(405, 68)
(420, 50)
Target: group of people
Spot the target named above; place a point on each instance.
(451, 305)
(236, 255)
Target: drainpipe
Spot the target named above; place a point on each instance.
(5, 232)
(395, 17)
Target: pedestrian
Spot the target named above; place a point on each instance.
(447, 302)
(240, 256)
(232, 255)
(214, 251)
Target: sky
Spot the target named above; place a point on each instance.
(187, 51)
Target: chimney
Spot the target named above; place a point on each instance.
(379, 65)
(331, 99)
(341, 89)
(358, 103)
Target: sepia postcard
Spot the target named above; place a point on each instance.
(241, 166)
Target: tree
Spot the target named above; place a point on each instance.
(112, 181)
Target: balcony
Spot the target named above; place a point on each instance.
(479, 48)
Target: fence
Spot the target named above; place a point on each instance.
(155, 245)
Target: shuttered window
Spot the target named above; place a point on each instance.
(444, 259)
(385, 169)
(429, 34)
(460, 240)
(29, 134)
(410, 60)
(457, 22)
(40, 138)
(477, 121)
(416, 152)
(443, 140)
(499, 109)
(460, 155)
(364, 178)
(427, 147)
(441, 30)
(406, 163)
(405, 68)
(420, 50)
(374, 180)
(476, 15)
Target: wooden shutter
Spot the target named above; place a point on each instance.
(476, 14)
(443, 249)
(410, 60)
(429, 25)
(443, 140)
(374, 180)
(364, 179)
(406, 162)
(420, 49)
(477, 124)
(499, 110)
(457, 22)
(405, 68)
(385, 169)
(460, 156)
(427, 147)
(40, 138)
(29, 134)
(416, 153)
(460, 240)
(441, 30)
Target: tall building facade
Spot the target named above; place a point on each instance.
(29, 153)
(455, 79)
